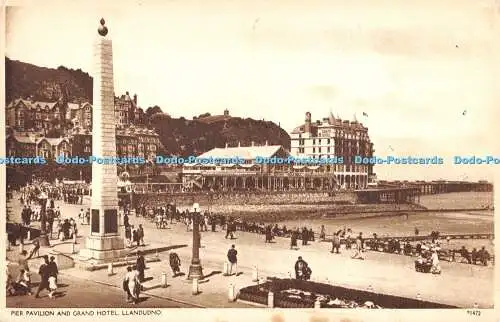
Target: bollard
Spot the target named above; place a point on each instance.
(230, 295)
(419, 297)
(195, 286)
(164, 279)
(110, 269)
(225, 269)
(126, 260)
(157, 255)
(74, 238)
(8, 242)
(317, 304)
(21, 247)
(29, 234)
(72, 248)
(476, 306)
(270, 300)
(255, 274)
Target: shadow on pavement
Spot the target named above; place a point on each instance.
(212, 274)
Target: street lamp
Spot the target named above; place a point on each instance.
(195, 269)
(44, 239)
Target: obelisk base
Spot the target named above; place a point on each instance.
(104, 249)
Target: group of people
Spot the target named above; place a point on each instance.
(48, 272)
(133, 236)
(132, 282)
(481, 256)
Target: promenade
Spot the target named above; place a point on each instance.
(386, 273)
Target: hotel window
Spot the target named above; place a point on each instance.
(319, 150)
(301, 150)
(314, 141)
(328, 141)
(319, 141)
(328, 149)
(314, 150)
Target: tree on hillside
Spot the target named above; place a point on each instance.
(150, 111)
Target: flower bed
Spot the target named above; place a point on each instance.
(292, 293)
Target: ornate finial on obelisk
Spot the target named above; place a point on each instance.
(102, 30)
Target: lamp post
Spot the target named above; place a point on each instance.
(195, 269)
(44, 239)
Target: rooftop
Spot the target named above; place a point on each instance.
(246, 153)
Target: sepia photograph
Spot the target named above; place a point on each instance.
(249, 155)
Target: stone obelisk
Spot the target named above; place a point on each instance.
(104, 242)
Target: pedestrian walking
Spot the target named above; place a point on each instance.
(128, 235)
(140, 236)
(229, 230)
(130, 285)
(358, 252)
(335, 243)
(232, 257)
(140, 266)
(322, 233)
(43, 271)
(293, 240)
(22, 261)
(175, 263)
(53, 271)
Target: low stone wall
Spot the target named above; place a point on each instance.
(271, 198)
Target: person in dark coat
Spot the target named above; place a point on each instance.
(269, 234)
(135, 237)
(44, 273)
(336, 243)
(213, 223)
(229, 230)
(53, 271)
(311, 235)
(302, 270)
(125, 220)
(305, 236)
(128, 235)
(175, 263)
(52, 266)
(141, 266)
(232, 254)
(36, 248)
(50, 221)
(293, 240)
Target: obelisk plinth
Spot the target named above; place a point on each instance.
(104, 242)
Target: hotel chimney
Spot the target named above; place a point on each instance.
(307, 125)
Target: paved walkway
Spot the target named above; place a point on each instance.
(79, 293)
(391, 274)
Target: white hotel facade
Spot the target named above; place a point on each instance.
(332, 137)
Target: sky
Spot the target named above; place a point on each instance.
(414, 67)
